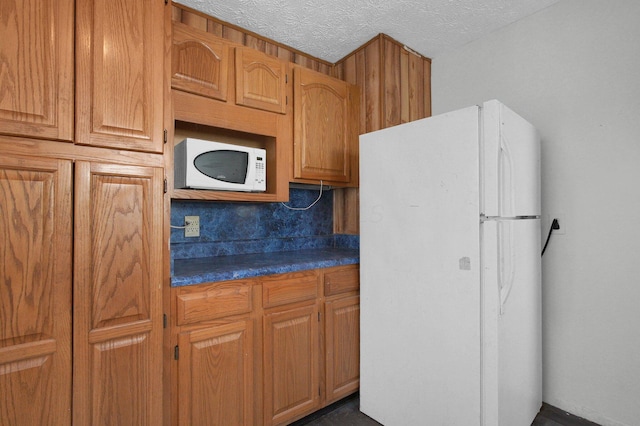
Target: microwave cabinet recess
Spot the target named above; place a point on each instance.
(247, 348)
(204, 118)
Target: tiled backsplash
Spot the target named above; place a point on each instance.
(228, 228)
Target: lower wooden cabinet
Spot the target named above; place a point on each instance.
(117, 309)
(266, 351)
(341, 331)
(291, 382)
(342, 343)
(80, 292)
(215, 375)
(35, 291)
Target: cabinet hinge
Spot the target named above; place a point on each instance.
(318, 316)
(176, 353)
(164, 185)
(166, 137)
(286, 100)
(164, 320)
(286, 78)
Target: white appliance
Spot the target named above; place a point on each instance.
(450, 270)
(201, 164)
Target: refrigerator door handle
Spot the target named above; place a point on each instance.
(506, 255)
(505, 167)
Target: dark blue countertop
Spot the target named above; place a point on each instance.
(222, 268)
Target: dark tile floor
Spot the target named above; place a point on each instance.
(346, 413)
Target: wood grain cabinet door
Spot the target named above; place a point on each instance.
(117, 374)
(119, 74)
(199, 62)
(215, 375)
(261, 80)
(325, 131)
(291, 369)
(36, 68)
(342, 343)
(35, 291)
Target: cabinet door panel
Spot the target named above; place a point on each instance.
(291, 364)
(36, 72)
(117, 294)
(260, 80)
(119, 82)
(215, 375)
(35, 291)
(199, 63)
(342, 334)
(325, 127)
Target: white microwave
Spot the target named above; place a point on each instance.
(200, 164)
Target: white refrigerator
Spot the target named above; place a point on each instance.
(450, 270)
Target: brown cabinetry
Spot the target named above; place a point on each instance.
(241, 101)
(203, 64)
(264, 351)
(117, 294)
(341, 331)
(81, 270)
(36, 84)
(261, 80)
(35, 291)
(107, 223)
(325, 131)
(119, 74)
(215, 375)
(291, 346)
(214, 353)
(199, 62)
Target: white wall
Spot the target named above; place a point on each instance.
(573, 70)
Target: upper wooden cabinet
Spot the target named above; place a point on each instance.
(36, 84)
(199, 62)
(261, 80)
(325, 130)
(35, 290)
(119, 74)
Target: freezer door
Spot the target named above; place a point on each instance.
(511, 322)
(510, 163)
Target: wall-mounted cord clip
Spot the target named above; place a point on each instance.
(554, 225)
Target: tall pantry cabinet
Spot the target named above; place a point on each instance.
(81, 211)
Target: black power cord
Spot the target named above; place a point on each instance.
(554, 225)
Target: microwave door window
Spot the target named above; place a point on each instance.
(223, 165)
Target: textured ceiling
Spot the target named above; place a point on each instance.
(331, 29)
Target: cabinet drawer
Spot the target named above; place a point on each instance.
(211, 301)
(342, 280)
(289, 288)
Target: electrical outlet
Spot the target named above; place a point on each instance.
(192, 226)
